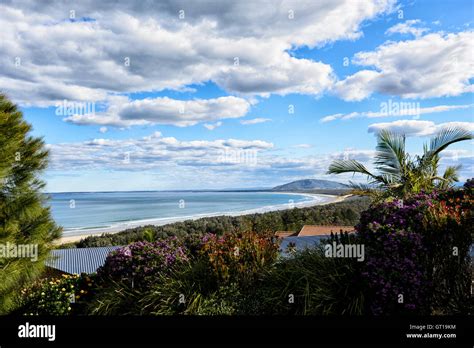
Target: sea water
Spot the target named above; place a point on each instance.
(94, 210)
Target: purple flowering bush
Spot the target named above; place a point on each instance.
(200, 274)
(416, 250)
(139, 263)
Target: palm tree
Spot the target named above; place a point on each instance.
(400, 174)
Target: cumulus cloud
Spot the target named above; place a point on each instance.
(358, 86)
(456, 154)
(153, 151)
(286, 75)
(212, 126)
(232, 161)
(410, 109)
(52, 54)
(408, 27)
(443, 67)
(255, 121)
(416, 127)
(122, 112)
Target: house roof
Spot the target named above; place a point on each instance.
(284, 234)
(79, 260)
(320, 230)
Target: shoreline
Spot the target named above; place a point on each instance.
(77, 235)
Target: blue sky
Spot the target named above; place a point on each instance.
(207, 94)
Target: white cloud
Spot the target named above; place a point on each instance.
(360, 155)
(233, 161)
(407, 27)
(416, 127)
(284, 76)
(128, 47)
(151, 152)
(103, 129)
(303, 146)
(163, 110)
(456, 154)
(401, 111)
(443, 67)
(212, 126)
(356, 87)
(255, 121)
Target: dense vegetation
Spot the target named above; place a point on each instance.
(343, 213)
(417, 253)
(416, 262)
(25, 222)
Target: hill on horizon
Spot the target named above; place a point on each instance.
(310, 184)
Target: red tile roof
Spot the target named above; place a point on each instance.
(318, 230)
(284, 234)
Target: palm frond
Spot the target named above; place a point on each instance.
(449, 177)
(349, 166)
(451, 173)
(390, 157)
(369, 189)
(444, 138)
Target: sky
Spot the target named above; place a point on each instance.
(208, 94)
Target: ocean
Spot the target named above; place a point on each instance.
(82, 212)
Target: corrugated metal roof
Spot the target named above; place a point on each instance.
(79, 260)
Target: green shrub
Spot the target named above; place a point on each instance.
(309, 283)
(56, 296)
(116, 298)
(238, 257)
(214, 278)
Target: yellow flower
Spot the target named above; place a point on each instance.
(63, 289)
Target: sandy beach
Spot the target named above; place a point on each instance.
(75, 236)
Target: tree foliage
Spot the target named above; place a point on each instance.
(24, 219)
